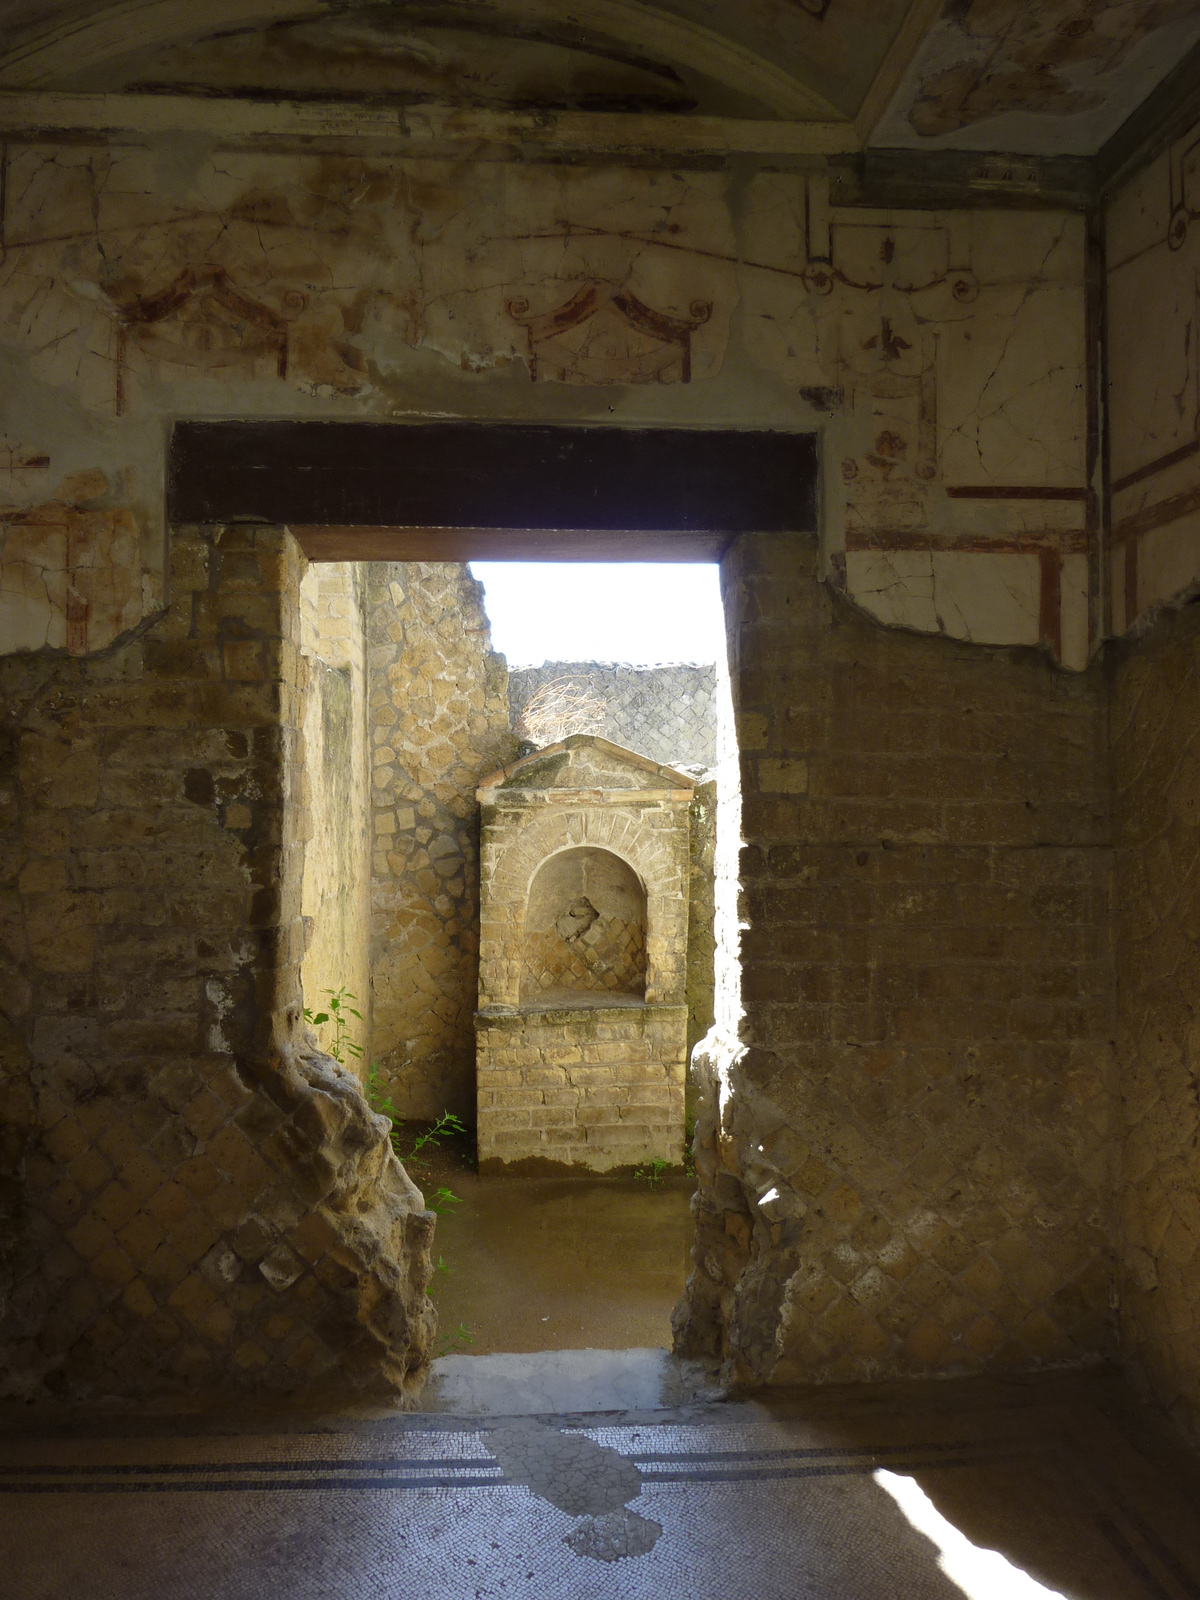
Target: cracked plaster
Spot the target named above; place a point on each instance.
(940, 354)
(1153, 252)
(1004, 75)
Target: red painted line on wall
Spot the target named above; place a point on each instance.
(1171, 459)
(1166, 511)
(995, 491)
(1050, 602)
(1064, 542)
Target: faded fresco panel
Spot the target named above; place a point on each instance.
(946, 353)
(1153, 249)
(941, 355)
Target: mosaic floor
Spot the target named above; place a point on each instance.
(996, 1493)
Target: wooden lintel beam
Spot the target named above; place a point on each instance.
(323, 542)
(496, 483)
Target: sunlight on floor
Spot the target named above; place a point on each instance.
(980, 1574)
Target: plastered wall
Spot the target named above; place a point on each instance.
(1153, 249)
(926, 986)
(943, 356)
(904, 1157)
(1153, 571)
(336, 896)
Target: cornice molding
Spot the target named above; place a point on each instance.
(423, 129)
(957, 179)
(914, 30)
(90, 41)
(1163, 117)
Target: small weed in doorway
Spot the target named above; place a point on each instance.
(338, 1011)
(448, 1342)
(652, 1173)
(446, 1124)
(382, 1103)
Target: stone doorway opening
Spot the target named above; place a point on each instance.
(409, 710)
(386, 497)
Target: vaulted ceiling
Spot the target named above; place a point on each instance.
(1041, 77)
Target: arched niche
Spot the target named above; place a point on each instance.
(584, 929)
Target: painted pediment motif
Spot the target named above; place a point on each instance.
(604, 334)
(204, 322)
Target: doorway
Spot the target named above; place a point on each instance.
(355, 494)
(562, 1245)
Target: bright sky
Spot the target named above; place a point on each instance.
(645, 613)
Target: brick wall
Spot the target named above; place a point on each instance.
(912, 1177)
(195, 1199)
(599, 1088)
(1156, 789)
(438, 723)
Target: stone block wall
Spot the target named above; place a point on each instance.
(195, 1199)
(667, 713)
(1156, 789)
(599, 1088)
(438, 723)
(912, 1176)
(336, 897)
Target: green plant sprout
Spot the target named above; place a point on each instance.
(339, 1011)
(443, 1200)
(382, 1104)
(449, 1341)
(447, 1123)
(652, 1173)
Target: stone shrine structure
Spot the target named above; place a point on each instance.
(582, 1022)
